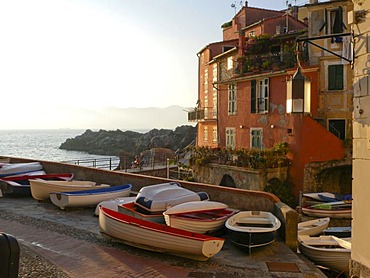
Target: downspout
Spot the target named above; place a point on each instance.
(198, 55)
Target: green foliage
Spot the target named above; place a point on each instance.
(226, 25)
(283, 190)
(248, 158)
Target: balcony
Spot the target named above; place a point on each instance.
(202, 114)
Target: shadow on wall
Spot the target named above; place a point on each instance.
(227, 181)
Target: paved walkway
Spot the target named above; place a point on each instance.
(88, 258)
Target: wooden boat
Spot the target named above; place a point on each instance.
(338, 212)
(313, 227)
(113, 204)
(20, 185)
(134, 210)
(157, 237)
(198, 216)
(41, 189)
(327, 196)
(341, 232)
(159, 197)
(249, 229)
(327, 251)
(19, 168)
(88, 198)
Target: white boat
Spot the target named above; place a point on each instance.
(249, 229)
(198, 216)
(20, 185)
(159, 197)
(41, 189)
(134, 210)
(88, 198)
(339, 212)
(157, 237)
(19, 168)
(113, 204)
(327, 251)
(313, 227)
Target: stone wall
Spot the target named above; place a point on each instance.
(238, 177)
(329, 176)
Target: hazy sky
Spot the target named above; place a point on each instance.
(91, 54)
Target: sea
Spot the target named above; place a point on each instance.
(42, 144)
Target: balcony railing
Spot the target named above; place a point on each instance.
(202, 114)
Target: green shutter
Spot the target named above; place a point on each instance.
(253, 96)
(335, 77)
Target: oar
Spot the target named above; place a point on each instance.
(343, 243)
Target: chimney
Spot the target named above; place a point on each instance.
(313, 1)
(246, 3)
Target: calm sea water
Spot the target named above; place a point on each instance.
(41, 144)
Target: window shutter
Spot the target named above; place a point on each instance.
(339, 77)
(331, 75)
(253, 96)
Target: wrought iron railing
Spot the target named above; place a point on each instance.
(109, 163)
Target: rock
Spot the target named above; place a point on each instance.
(114, 143)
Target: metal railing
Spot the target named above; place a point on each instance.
(109, 163)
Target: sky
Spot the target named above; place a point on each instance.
(58, 56)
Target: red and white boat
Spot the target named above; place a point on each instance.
(198, 216)
(157, 237)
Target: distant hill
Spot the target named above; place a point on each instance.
(115, 142)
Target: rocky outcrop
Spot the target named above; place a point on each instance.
(114, 143)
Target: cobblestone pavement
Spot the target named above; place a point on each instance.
(68, 244)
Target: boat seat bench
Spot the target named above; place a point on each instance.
(254, 220)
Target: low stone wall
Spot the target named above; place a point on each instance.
(242, 177)
(235, 197)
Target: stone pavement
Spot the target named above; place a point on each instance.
(71, 240)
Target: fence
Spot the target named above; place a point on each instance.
(109, 163)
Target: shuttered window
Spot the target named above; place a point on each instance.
(335, 77)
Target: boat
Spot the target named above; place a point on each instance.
(113, 204)
(159, 197)
(19, 168)
(313, 227)
(249, 229)
(20, 185)
(41, 189)
(157, 237)
(134, 210)
(339, 231)
(339, 212)
(198, 216)
(88, 198)
(328, 196)
(328, 251)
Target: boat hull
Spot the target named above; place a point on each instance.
(133, 210)
(334, 258)
(87, 198)
(19, 185)
(313, 227)
(159, 197)
(19, 168)
(41, 189)
(332, 213)
(249, 229)
(157, 237)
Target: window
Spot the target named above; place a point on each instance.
(214, 134)
(232, 99)
(214, 72)
(338, 128)
(260, 96)
(205, 133)
(230, 138)
(335, 77)
(334, 21)
(230, 63)
(251, 34)
(256, 138)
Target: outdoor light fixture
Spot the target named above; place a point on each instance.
(298, 94)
